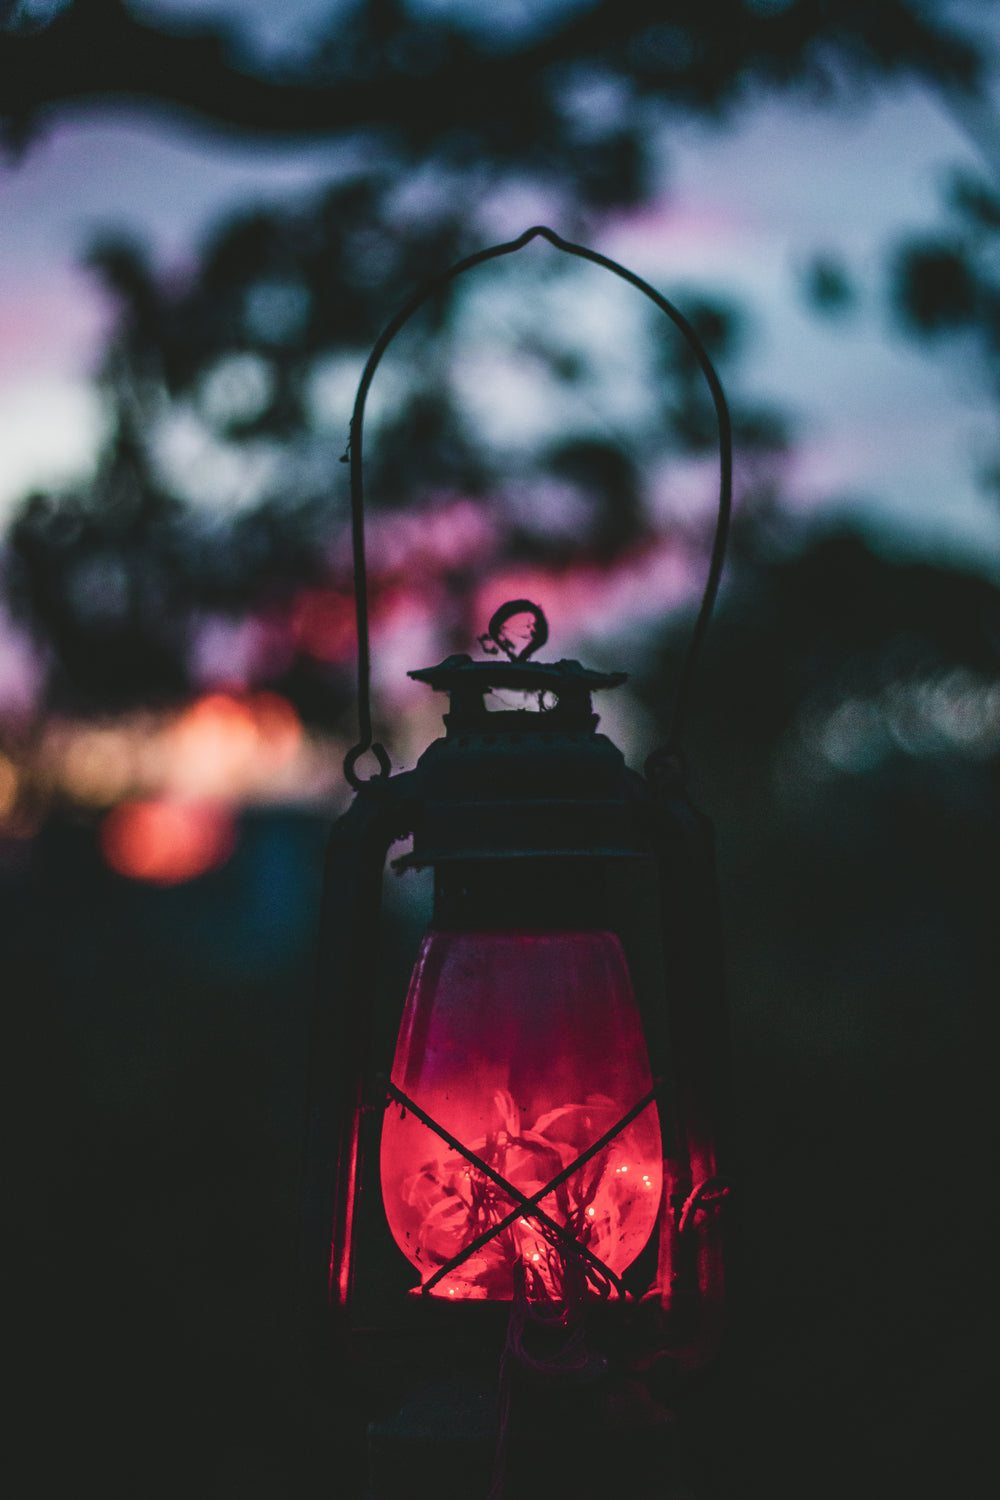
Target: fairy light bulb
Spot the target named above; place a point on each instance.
(526, 1046)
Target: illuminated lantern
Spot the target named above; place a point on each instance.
(539, 1120)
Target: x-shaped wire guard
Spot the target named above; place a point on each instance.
(594, 1266)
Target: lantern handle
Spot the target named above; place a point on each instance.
(669, 752)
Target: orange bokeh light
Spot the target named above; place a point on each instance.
(224, 746)
(167, 842)
(9, 785)
(278, 726)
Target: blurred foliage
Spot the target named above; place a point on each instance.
(218, 493)
(233, 385)
(589, 77)
(827, 286)
(946, 288)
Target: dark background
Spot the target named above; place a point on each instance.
(844, 739)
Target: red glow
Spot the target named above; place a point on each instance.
(322, 624)
(167, 842)
(527, 1047)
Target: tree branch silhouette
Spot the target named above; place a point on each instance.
(380, 67)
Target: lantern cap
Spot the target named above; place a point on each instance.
(460, 671)
(565, 684)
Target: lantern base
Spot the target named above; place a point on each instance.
(592, 1442)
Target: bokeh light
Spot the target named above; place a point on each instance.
(167, 841)
(8, 787)
(223, 746)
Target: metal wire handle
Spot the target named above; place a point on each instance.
(670, 750)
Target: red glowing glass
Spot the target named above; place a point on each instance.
(527, 1048)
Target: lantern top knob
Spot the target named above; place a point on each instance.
(496, 638)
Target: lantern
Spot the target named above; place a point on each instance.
(542, 1136)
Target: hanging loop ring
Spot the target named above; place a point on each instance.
(494, 631)
(353, 756)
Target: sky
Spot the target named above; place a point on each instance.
(885, 431)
